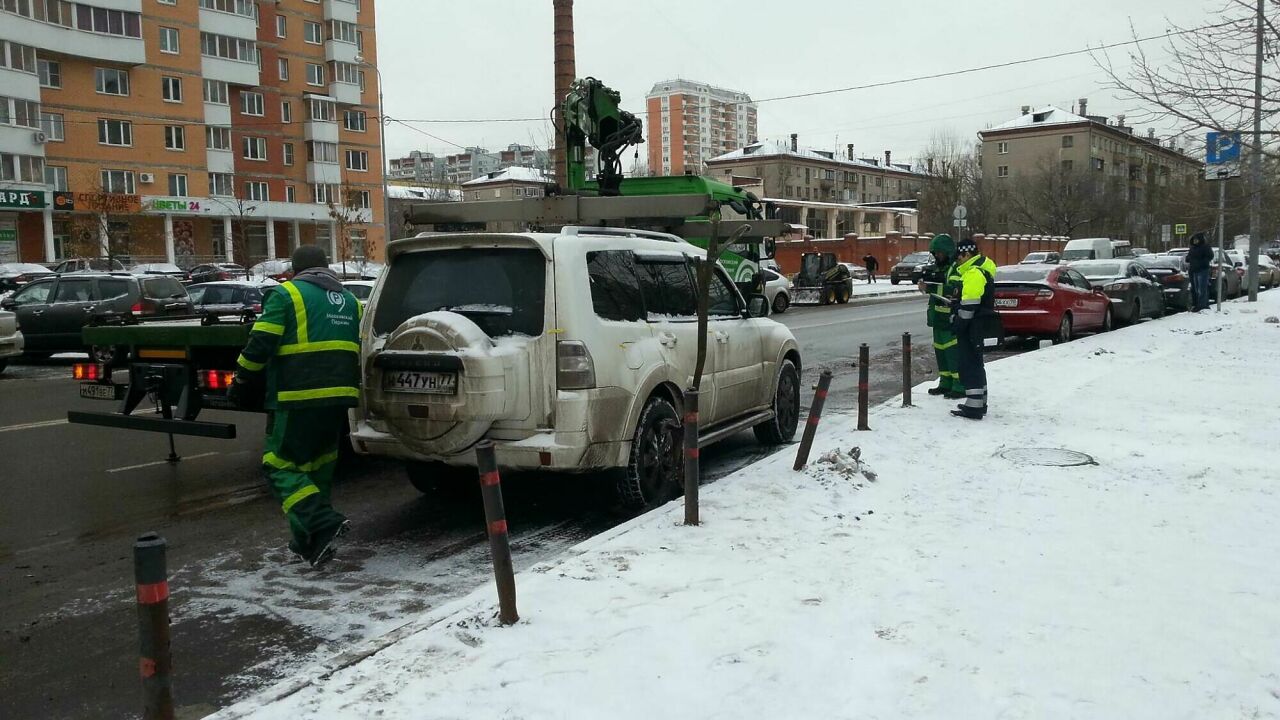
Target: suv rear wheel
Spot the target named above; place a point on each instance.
(786, 408)
(654, 473)
(433, 478)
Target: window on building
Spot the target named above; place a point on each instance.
(175, 137)
(1002, 148)
(1002, 171)
(50, 72)
(355, 120)
(118, 181)
(247, 8)
(290, 194)
(178, 184)
(254, 148)
(216, 92)
(18, 57)
(321, 110)
(345, 72)
(251, 103)
(256, 191)
(169, 40)
(357, 160)
(55, 176)
(324, 194)
(360, 80)
(286, 111)
(282, 68)
(315, 74)
(171, 88)
(362, 199)
(1068, 165)
(288, 153)
(312, 33)
(108, 22)
(360, 40)
(1099, 164)
(1068, 141)
(53, 126)
(221, 184)
(217, 137)
(228, 48)
(111, 81)
(115, 132)
(322, 151)
(282, 29)
(342, 31)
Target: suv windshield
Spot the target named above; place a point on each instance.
(502, 290)
(1079, 254)
(918, 258)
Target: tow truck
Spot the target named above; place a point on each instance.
(181, 367)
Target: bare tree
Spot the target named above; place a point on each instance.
(1056, 199)
(242, 211)
(955, 177)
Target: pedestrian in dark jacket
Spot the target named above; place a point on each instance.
(872, 266)
(1199, 258)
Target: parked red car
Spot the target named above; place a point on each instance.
(1049, 301)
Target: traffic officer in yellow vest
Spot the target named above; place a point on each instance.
(973, 311)
(306, 347)
(941, 282)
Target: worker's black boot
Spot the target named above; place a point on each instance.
(938, 390)
(965, 411)
(325, 544)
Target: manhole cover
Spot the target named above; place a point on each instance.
(1047, 457)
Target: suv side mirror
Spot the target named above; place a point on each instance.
(8, 304)
(770, 248)
(758, 306)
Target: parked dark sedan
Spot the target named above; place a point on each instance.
(52, 311)
(228, 298)
(212, 272)
(15, 275)
(1134, 293)
(1174, 278)
(911, 268)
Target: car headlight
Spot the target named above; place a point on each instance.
(1115, 287)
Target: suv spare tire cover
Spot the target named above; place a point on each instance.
(440, 332)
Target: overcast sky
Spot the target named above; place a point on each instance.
(481, 59)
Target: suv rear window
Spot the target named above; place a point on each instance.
(502, 290)
(162, 287)
(615, 290)
(668, 289)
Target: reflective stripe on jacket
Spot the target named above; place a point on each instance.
(307, 341)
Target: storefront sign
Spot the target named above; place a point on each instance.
(22, 199)
(64, 201)
(108, 202)
(173, 205)
(8, 240)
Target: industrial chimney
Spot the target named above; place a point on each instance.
(565, 72)
(1084, 107)
(795, 142)
(849, 151)
(887, 155)
(1026, 109)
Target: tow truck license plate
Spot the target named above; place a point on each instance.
(1006, 302)
(97, 392)
(435, 383)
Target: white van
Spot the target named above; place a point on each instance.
(1121, 249)
(1088, 249)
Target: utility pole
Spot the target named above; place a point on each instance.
(565, 71)
(1222, 223)
(1255, 161)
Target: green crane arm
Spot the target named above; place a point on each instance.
(592, 115)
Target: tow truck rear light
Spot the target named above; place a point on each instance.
(216, 379)
(89, 371)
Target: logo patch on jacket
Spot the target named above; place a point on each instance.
(337, 298)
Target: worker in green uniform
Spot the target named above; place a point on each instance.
(974, 312)
(941, 282)
(304, 352)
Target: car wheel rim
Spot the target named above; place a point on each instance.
(786, 405)
(657, 459)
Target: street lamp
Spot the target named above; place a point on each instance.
(382, 139)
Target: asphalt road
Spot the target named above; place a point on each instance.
(243, 615)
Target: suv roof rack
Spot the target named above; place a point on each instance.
(578, 230)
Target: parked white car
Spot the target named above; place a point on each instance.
(570, 351)
(777, 289)
(10, 338)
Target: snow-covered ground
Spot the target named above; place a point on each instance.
(861, 288)
(940, 573)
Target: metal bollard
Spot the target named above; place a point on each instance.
(155, 663)
(692, 471)
(811, 427)
(906, 369)
(495, 516)
(864, 373)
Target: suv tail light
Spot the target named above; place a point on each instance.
(142, 307)
(575, 370)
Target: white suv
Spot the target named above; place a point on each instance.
(570, 351)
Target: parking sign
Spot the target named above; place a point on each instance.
(1222, 148)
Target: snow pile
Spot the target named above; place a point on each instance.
(982, 575)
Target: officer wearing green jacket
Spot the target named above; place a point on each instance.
(974, 311)
(307, 345)
(940, 282)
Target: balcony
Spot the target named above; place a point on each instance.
(341, 51)
(222, 161)
(234, 72)
(345, 93)
(229, 24)
(324, 173)
(341, 10)
(20, 140)
(215, 114)
(320, 131)
(77, 43)
(18, 84)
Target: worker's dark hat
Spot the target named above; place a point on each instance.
(966, 245)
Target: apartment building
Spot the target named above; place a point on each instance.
(186, 130)
(1136, 168)
(511, 183)
(418, 166)
(691, 122)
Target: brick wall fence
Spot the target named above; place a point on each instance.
(893, 246)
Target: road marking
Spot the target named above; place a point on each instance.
(159, 462)
(33, 425)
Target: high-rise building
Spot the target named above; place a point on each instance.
(418, 166)
(691, 122)
(188, 130)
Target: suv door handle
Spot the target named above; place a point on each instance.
(667, 339)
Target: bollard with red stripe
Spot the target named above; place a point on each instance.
(155, 663)
(692, 470)
(906, 369)
(864, 381)
(495, 516)
(811, 427)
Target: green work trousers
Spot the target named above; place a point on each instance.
(946, 352)
(299, 458)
